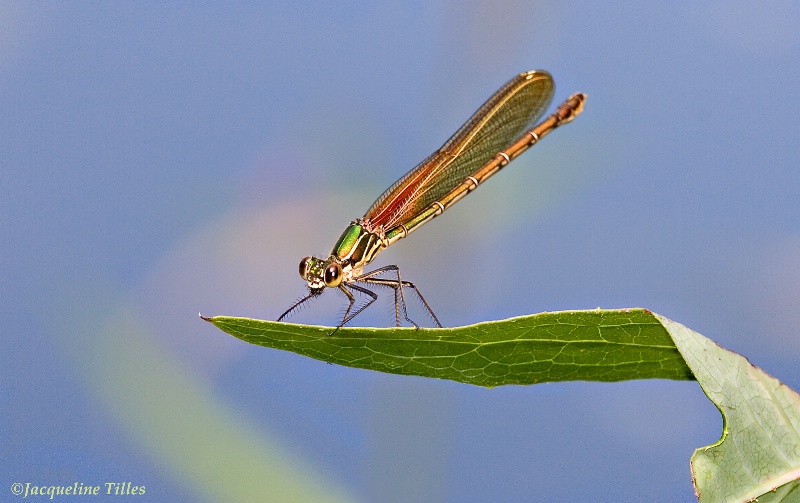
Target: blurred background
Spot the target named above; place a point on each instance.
(157, 161)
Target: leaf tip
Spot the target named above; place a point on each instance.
(206, 318)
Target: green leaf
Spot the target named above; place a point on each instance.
(566, 346)
(760, 446)
(758, 455)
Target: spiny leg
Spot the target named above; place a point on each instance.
(407, 284)
(398, 285)
(424, 302)
(399, 300)
(298, 304)
(347, 315)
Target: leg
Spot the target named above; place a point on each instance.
(298, 304)
(347, 316)
(399, 296)
(408, 284)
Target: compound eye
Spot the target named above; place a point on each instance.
(305, 265)
(333, 275)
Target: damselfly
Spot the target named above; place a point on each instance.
(501, 129)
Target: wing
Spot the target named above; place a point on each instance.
(509, 113)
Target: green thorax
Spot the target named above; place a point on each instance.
(357, 246)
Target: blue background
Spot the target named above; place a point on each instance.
(160, 160)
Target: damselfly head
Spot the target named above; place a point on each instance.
(321, 273)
